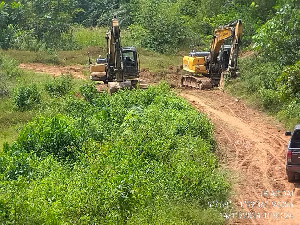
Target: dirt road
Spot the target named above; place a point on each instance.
(253, 147)
(76, 70)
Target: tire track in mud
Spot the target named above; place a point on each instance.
(254, 147)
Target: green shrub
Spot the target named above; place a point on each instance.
(288, 83)
(15, 163)
(140, 156)
(270, 99)
(8, 71)
(274, 87)
(89, 91)
(280, 46)
(26, 97)
(58, 136)
(4, 90)
(9, 66)
(59, 86)
(290, 114)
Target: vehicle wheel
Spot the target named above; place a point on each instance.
(291, 176)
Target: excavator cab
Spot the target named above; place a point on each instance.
(130, 63)
(224, 56)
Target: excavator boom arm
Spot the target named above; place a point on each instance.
(233, 30)
(114, 50)
(235, 46)
(220, 35)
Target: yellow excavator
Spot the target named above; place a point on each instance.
(120, 67)
(207, 69)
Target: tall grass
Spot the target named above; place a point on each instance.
(86, 37)
(95, 36)
(13, 80)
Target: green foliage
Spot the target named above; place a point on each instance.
(91, 13)
(36, 25)
(272, 77)
(159, 33)
(290, 114)
(59, 86)
(14, 165)
(274, 87)
(140, 156)
(85, 37)
(8, 71)
(58, 136)
(89, 91)
(288, 83)
(26, 97)
(9, 67)
(281, 46)
(270, 99)
(163, 26)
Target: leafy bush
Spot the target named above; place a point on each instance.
(15, 164)
(3, 85)
(58, 136)
(290, 114)
(288, 83)
(137, 156)
(275, 87)
(159, 33)
(9, 67)
(8, 71)
(281, 45)
(89, 91)
(59, 86)
(26, 97)
(270, 99)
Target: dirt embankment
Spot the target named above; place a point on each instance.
(251, 144)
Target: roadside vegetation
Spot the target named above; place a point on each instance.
(270, 76)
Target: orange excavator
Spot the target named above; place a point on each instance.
(207, 69)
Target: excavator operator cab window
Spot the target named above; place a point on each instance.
(128, 56)
(130, 62)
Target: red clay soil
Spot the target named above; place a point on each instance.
(76, 70)
(253, 146)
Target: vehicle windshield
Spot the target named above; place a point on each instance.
(128, 56)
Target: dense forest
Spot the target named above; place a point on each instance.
(163, 25)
